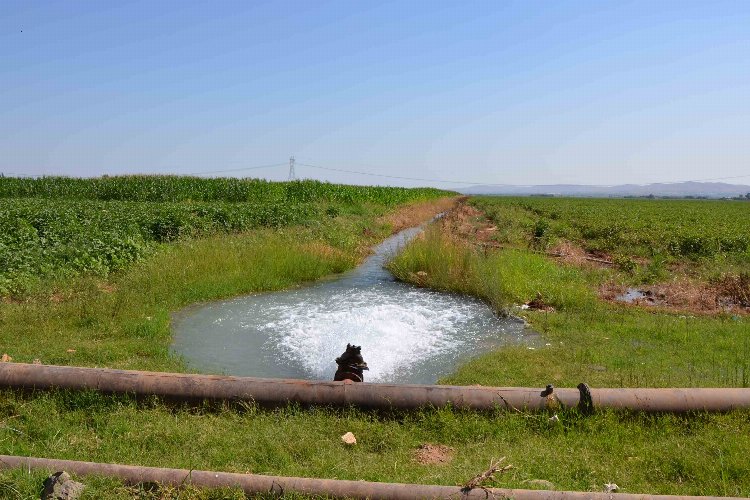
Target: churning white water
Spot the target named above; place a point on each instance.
(407, 334)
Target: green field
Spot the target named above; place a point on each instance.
(119, 316)
(675, 228)
(58, 228)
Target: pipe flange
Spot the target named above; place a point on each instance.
(585, 402)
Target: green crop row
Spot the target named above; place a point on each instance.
(160, 188)
(681, 228)
(61, 238)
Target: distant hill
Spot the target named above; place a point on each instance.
(682, 189)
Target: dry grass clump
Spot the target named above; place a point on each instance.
(735, 288)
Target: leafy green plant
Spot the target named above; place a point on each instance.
(58, 227)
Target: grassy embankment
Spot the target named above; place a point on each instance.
(704, 454)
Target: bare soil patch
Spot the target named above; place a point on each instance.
(468, 224)
(433, 454)
(682, 294)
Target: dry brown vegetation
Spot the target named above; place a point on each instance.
(415, 214)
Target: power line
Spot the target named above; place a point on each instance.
(492, 184)
(398, 176)
(182, 173)
(235, 169)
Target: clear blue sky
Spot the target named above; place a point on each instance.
(498, 92)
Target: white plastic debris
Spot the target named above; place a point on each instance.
(610, 488)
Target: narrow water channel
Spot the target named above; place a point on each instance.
(407, 334)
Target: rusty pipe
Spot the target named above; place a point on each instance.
(187, 387)
(254, 483)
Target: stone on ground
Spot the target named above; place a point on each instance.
(59, 486)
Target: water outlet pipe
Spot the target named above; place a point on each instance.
(253, 484)
(274, 392)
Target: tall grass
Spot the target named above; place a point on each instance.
(503, 279)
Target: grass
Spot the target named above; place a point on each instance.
(667, 454)
(123, 322)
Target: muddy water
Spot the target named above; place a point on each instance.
(407, 334)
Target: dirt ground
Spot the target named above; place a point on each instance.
(433, 454)
(468, 224)
(681, 294)
(416, 213)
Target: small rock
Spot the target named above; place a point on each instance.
(610, 488)
(37, 361)
(349, 438)
(541, 484)
(59, 486)
(5, 358)
(554, 419)
(421, 274)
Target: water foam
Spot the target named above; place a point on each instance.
(392, 333)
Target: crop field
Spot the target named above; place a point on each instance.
(57, 228)
(166, 188)
(675, 228)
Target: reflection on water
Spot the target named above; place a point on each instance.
(407, 334)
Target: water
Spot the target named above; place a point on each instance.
(634, 295)
(407, 334)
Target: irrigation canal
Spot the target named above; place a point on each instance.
(407, 334)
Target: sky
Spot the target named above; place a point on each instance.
(541, 92)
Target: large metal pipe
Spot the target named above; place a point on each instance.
(254, 484)
(185, 387)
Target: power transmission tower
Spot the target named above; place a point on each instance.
(292, 174)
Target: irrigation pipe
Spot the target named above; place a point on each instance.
(254, 484)
(274, 392)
